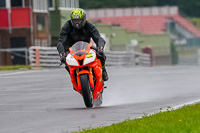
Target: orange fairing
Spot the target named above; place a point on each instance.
(83, 56)
(92, 69)
(90, 77)
(99, 82)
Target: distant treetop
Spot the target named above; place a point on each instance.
(189, 7)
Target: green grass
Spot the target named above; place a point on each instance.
(184, 120)
(195, 21)
(15, 67)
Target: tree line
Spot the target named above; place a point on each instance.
(190, 8)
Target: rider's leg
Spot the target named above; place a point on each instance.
(103, 60)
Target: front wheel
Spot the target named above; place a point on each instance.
(86, 90)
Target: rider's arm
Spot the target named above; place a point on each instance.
(62, 46)
(95, 35)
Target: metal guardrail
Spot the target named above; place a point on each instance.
(15, 50)
(48, 57)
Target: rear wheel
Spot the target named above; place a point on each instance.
(86, 90)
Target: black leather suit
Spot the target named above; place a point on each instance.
(70, 35)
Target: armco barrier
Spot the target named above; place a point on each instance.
(15, 51)
(48, 57)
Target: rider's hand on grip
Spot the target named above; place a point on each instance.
(100, 49)
(62, 57)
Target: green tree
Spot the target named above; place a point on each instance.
(166, 2)
(189, 7)
(93, 4)
(144, 3)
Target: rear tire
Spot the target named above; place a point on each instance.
(86, 90)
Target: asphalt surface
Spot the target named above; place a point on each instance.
(43, 101)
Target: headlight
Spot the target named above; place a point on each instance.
(71, 60)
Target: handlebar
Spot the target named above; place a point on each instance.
(97, 52)
(93, 47)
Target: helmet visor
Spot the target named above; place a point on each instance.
(77, 23)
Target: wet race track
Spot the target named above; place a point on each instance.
(39, 101)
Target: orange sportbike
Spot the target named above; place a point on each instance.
(86, 72)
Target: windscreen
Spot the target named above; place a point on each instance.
(79, 47)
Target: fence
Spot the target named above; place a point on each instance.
(188, 55)
(15, 51)
(43, 56)
(48, 57)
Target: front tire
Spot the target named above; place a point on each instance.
(86, 90)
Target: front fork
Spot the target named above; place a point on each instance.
(90, 75)
(97, 89)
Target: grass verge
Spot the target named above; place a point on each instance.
(15, 67)
(183, 120)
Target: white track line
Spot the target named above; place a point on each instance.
(16, 73)
(34, 93)
(173, 107)
(24, 72)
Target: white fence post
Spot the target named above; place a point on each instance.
(48, 56)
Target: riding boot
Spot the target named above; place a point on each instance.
(67, 68)
(105, 74)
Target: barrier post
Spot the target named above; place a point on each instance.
(148, 50)
(37, 57)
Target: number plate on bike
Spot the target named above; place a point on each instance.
(89, 55)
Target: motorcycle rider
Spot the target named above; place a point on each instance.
(80, 29)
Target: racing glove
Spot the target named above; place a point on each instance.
(100, 49)
(62, 57)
